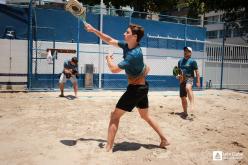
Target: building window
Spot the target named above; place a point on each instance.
(220, 33)
(237, 33)
(228, 33)
(212, 34)
(212, 20)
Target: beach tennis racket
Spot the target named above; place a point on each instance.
(76, 9)
(176, 71)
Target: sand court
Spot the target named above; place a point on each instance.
(38, 128)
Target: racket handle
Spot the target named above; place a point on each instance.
(84, 22)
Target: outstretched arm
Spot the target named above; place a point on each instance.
(109, 40)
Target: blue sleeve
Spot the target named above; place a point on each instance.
(178, 64)
(125, 63)
(122, 44)
(195, 66)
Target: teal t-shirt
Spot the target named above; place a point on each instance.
(187, 66)
(132, 63)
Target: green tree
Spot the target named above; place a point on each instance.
(137, 5)
(235, 12)
(196, 7)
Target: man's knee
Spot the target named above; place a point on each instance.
(144, 116)
(184, 99)
(61, 84)
(114, 117)
(74, 85)
(188, 88)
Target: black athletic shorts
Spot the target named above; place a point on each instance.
(183, 92)
(135, 96)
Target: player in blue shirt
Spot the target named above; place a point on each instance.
(136, 71)
(187, 66)
(70, 72)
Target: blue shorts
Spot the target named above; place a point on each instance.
(135, 96)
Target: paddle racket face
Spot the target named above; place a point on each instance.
(176, 71)
(77, 9)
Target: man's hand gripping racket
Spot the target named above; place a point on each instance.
(177, 72)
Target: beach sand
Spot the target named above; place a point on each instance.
(40, 128)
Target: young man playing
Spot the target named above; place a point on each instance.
(70, 72)
(136, 71)
(187, 66)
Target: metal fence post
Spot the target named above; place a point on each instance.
(30, 45)
(185, 32)
(100, 46)
(223, 54)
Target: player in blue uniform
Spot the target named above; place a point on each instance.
(188, 66)
(136, 71)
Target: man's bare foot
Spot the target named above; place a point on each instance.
(191, 107)
(108, 148)
(61, 95)
(164, 143)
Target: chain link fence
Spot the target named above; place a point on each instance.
(160, 53)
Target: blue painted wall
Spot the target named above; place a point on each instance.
(61, 26)
(110, 81)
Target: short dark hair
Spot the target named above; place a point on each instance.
(137, 30)
(74, 59)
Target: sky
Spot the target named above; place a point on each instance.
(2, 1)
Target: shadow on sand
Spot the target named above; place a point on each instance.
(70, 97)
(124, 146)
